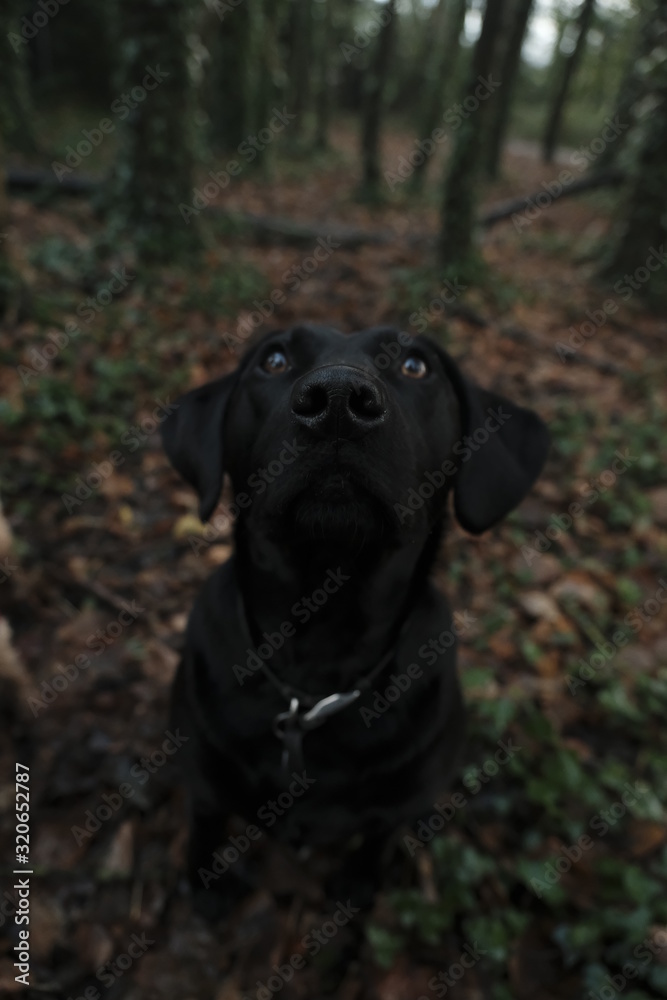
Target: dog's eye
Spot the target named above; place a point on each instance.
(414, 367)
(275, 363)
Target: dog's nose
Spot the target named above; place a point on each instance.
(338, 399)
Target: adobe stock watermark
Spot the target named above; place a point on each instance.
(603, 821)
(464, 449)
(109, 973)
(437, 307)
(445, 980)
(303, 611)
(589, 493)
(399, 683)
(97, 642)
(580, 159)
(606, 651)
(120, 108)
(268, 815)
(625, 287)
(86, 484)
(311, 943)
(649, 949)
(58, 340)
(257, 483)
(291, 280)
(248, 150)
(454, 117)
(474, 780)
(111, 802)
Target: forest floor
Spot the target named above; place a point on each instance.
(552, 871)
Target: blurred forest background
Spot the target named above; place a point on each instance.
(182, 174)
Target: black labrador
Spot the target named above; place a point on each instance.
(318, 686)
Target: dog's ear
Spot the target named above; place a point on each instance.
(508, 449)
(192, 437)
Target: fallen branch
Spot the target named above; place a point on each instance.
(526, 337)
(273, 229)
(35, 180)
(506, 209)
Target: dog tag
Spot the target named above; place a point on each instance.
(287, 728)
(328, 706)
(290, 727)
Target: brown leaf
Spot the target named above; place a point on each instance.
(658, 500)
(93, 945)
(116, 486)
(188, 524)
(5, 536)
(502, 644)
(539, 605)
(160, 662)
(658, 937)
(47, 925)
(579, 586)
(645, 836)
(119, 858)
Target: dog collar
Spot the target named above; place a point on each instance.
(291, 726)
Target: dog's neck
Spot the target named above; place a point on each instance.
(339, 611)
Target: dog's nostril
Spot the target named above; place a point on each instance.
(311, 401)
(365, 402)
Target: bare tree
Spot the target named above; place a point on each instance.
(374, 104)
(447, 26)
(567, 69)
(461, 180)
(641, 231)
(16, 110)
(325, 76)
(509, 68)
(154, 171)
(299, 68)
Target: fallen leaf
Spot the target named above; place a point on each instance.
(119, 858)
(539, 605)
(188, 524)
(645, 836)
(658, 500)
(116, 486)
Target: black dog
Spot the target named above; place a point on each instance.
(342, 451)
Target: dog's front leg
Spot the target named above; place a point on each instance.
(217, 884)
(360, 875)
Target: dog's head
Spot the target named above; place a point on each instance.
(352, 438)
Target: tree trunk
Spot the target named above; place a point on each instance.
(509, 69)
(325, 82)
(460, 194)
(16, 110)
(440, 71)
(6, 271)
(299, 66)
(630, 92)
(374, 105)
(567, 70)
(229, 96)
(153, 180)
(641, 232)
